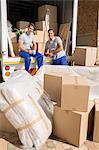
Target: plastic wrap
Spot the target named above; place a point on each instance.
(19, 98)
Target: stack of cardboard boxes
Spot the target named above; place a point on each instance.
(70, 118)
(41, 33)
(22, 24)
(71, 113)
(41, 38)
(42, 10)
(42, 26)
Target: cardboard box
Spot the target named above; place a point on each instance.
(22, 24)
(4, 145)
(5, 125)
(41, 47)
(96, 123)
(13, 36)
(15, 48)
(8, 132)
(91, 124)
(52, 12)
(71, 126)
(40, 25)
(41, 36)
(64, 30)
(85, 56)
(54, 26)
(70, 92)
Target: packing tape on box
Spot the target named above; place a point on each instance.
(75, 82)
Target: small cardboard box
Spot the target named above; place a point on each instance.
(70, 92)
(42, 10)
(40, 25)
(22, 24)
(96, 123)
(5, 145)
(85, 56)
(15, 48)
(41, 47)
(41, 36)
(64, 30)
(71, 126)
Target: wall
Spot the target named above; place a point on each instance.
(68, 10)
(20, 10)
(87, 22)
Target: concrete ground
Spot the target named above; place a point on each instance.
(49, 145)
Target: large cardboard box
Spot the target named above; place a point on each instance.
(41, 36)
(70, 92)
(52, 13)
(85, 56)
(96, 123)
(40, 25)
(71, 126)
(22, 24)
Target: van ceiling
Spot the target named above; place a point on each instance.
(28, 9)
(34, 2)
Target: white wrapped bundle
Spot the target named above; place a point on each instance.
(25, 83)
(24, 112)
